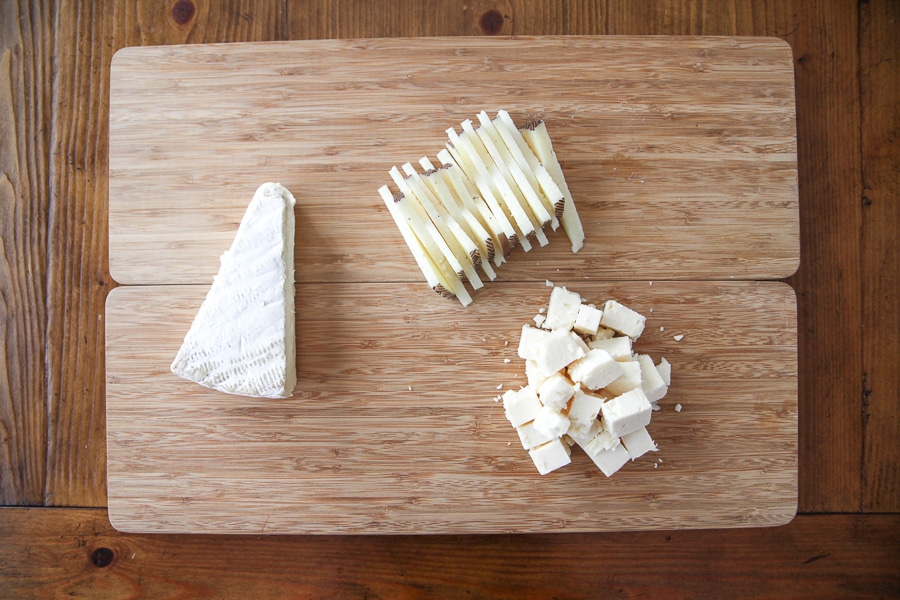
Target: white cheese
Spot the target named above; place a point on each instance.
(531, 437)
(551, 422)
(610, 461)
(521, 406)
(587, 322)
(623, 319)
(651, 381)
(528, 341)
(242, 338)
(638, 443)
(604, 440)
(582, 437)
(583, 411)
(618, 347)
(556, 391)
(556, 350)
(626, 413)
(664, 368)
(563, 309)
(597, 369)
(534, 375)
(629, 380)
(551, 456)
(604, 333)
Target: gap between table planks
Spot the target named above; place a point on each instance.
(393, 427)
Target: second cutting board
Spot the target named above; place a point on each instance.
(680, 152)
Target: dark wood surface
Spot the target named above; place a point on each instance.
(54, 90)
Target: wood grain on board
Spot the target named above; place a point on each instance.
(680, 152)
(394, 427)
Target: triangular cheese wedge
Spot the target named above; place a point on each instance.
(242, 339)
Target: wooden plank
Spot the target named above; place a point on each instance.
(86, 36)
(25, 98)
(880, 264)
(53, 553)
(680, 152)
(324, 19)
(392, 427)
(828, 281)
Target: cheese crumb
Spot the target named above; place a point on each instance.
(677, 408)
(678, 337)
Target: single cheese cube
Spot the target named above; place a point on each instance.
(562, 310)
(531, 437)
(604, 333)
(588, 320)
(529, 340)
(521, 405)
(533, 374)
(596, 370)
(556, 350)
(556, 391)
(665, 371)
(651, 381)
(583, 437)
(623, 319)
(604, 440)
(551, 456)
(618, 347)
(629, 380)
(638, 443)
(551, 422)
(583, 411)
(610, 461)
(626, 413)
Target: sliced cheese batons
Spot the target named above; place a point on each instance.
(495, 187)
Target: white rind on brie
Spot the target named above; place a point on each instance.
(242, 340)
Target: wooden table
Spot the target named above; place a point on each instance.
(54, 279)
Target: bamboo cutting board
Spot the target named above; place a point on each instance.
(686, 144)
(681, 155)
(393, 427)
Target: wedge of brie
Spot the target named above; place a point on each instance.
(242, 339)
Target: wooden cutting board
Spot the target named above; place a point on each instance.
(681, 144)
(681, 155)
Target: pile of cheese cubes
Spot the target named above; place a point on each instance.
(586, 386)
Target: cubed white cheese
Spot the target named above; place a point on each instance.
(533, 374)
(628, 380)
(529, 340)
(638, 443)
(583, 437)
(651, 381)
(556, 350)
(556, 391)
(618, 347)
(551, 456)
(531, 437)
(597, 369)
(610, 461)
(521, 405)
(604, 333)
(583, 411)
(588, 320)
(623, 319)
(563, 309)
(665, 371)
(604, 440)
(551, 422)
(626, 413)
